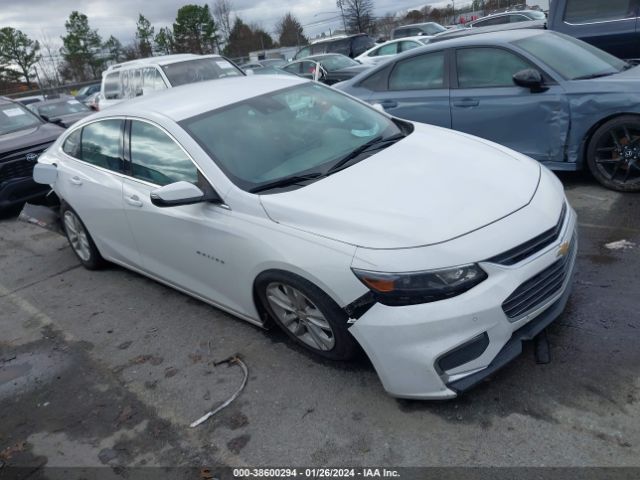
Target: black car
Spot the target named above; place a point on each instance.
(63, 111)
(333, 68)
(351, 46)
(23, 137)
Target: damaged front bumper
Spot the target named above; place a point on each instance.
(438, 350)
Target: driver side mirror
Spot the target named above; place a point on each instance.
(181, 193)
(530, 78)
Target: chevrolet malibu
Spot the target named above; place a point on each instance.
(282, 201)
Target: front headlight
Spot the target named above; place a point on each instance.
(420, 287)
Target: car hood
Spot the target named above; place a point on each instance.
(433, 186)
(625, 81)
(43, 133)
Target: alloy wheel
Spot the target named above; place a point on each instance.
(618, 154)
(77, 235)
(300, 316)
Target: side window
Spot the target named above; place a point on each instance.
(342, 46)
(71, 145)
(421, 72)
(374, 53)
(308, 68)
(584, 11)
(390, 49)
(487, 67)
(112, 87)
(102, 144)
(156, 158)
(294, 68)
(404, 46)
(517, 18)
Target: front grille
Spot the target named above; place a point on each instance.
(519, 253)
(15, 164)
(540, 288)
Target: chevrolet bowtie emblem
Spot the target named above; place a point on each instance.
(563, 250)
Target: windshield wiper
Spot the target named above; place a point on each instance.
(374, 144)
(595, 75)
(285, 182)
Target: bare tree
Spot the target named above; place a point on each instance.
(222, 14)
(358, 15)
(49, 64)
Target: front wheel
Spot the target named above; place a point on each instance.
(80, 240)
(613, 154)
(306, 314)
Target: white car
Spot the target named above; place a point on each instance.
(127, 80)
(385, 51)
(281, 200)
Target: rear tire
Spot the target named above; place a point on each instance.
(613, 154)
(306, 314)
(80, 240)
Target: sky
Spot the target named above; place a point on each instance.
(45, 18)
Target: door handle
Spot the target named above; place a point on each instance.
(133, 200)
(76, 180)
(388, 103)
(466, 102)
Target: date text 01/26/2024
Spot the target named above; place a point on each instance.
(315, 472)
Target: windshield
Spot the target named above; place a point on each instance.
(61, 108)
(199, 70)
(300, 130)
(433, 28)
(336, 62)
(571, 58)
(14, 117)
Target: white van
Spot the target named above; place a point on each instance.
(147, 75)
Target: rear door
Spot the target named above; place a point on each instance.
(90, 181)
(485, 102)
(417, 88)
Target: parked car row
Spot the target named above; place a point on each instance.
(277, 172)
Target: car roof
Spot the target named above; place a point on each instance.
(160, 60)
(416, 25)
(205, 96)
(504, 33)
(320, 56)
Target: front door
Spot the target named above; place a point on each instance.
(186, 245)
(487, 103)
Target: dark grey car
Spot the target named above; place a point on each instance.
(23, 137)
(552, 97)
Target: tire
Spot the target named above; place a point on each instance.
(613, 154)
(80, 240)
(306, 314)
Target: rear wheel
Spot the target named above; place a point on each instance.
(306, 314)
(613, 154)
(80, 240)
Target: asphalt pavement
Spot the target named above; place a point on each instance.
(110, 368)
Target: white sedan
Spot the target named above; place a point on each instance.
(385, 51)
(283, 201)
